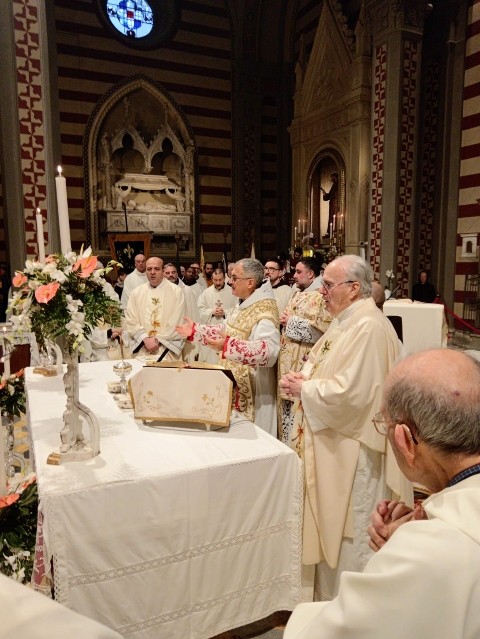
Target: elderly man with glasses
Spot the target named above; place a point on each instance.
(248, 341)
(425, 580)
(347, 469)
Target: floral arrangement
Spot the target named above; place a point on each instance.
(12, 394)
(63, 297)
(18, 526)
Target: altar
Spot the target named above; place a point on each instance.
(166, 533)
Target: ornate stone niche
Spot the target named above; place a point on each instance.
(141, 172)
(330, 133)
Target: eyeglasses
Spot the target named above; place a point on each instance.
(234, 278)
(381, 425)
(270, 268)
(329, 286)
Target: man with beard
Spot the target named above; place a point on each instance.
(305, 319)
(274, 271)
(214, 305)
(170, 273)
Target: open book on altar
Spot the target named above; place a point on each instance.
(183, 395)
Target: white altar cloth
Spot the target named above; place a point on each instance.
(166, 534)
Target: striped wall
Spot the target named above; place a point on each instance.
(469, 184)
(195, 68)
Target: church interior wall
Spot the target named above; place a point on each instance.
(231, 71)
(194, 68)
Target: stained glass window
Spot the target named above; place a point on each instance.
(133, 18)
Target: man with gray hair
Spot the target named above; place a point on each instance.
(340, 388)
(425, 580)
(248, 341)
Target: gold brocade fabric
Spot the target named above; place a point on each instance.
(309, 370)
(240, 325)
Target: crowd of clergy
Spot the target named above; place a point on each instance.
(318, 365)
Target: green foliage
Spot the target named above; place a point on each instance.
(18, 529)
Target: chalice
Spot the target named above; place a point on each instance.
(122, 369)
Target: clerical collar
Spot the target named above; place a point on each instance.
(468, 472)
(280, 283)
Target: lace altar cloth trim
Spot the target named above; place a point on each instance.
(191, 553)
(205, 605)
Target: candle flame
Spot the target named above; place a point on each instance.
(38, 210)
(59, 169)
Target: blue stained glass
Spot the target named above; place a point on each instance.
(133, 18)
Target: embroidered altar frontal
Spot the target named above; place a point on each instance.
(187, 395)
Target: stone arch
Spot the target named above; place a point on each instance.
(126, 167)
(323, 205)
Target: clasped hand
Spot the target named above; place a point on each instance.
(388, 516)
(291, 384)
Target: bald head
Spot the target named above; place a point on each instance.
(154, 269)
(140, 263)
(438, 392)
(378, 294)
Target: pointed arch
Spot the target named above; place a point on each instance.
(141, 110)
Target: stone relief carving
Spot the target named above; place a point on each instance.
(144, 171)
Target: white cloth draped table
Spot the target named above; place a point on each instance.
(166, 533)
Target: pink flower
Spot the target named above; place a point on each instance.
(19, 280)
(45, 293)
(86, 265)
(8, 500)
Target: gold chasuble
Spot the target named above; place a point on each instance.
(240, 324)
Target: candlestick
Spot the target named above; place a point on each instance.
(295, 235)
(334, 223)
(63, 219)
(330, 233)
(40, 237)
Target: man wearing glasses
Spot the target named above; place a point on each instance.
(248, 341)
(425, 580)
(340, 388)
(274, 272)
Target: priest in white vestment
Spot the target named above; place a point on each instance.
(424, 581)
(134, 279)
(27, 614)
(274, 271)
(348, 466)
(189, 351)
(249, 341)
(154, 310)
(213, 306)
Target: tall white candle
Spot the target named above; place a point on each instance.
(6, 364)
(63, 219)
(330, 230)
(40, 238)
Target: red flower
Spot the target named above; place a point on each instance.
(46, 292)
